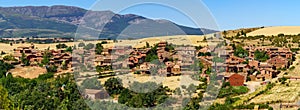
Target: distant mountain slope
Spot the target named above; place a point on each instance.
(65, 19)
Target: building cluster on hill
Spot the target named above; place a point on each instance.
(251, 64)
(237, 70)
(35, 57)
(161, 58)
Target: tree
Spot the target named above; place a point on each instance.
(152, 55)
(261, 56)
(24, 60)
(91, 83)
(4, 100)
(147, 45)
(240, 52)
(81, 44)
(64, 65)
(281, 35)
(218, 60)
(125, 96)
(9, 58)
(59, 46)
(191, 89)
(89, 46)
(169, 47)
(69, 49)
(46, 58)
(114, 86)
(51, 69)
(177, 91)
(4, 68)
(225, 33)
(204, 39)
(99, 48)
(104, 42)
(238, 34)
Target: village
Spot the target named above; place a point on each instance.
(177, 60)
(237, 65)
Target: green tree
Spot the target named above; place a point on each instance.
(60, 46)
(114, 86)
(240, 52)
(24, 60)
(99, 48)
(9, 58)
(46, 57)
(4, 100)
(89, 46)
(177, 91)
(64, 65)
(91, 83)
(204, 39)
(152, 55)
(261, 56)
(51, 68)
(81, 44)
(69, 49)
(125, 96)
(147, 45)
(191, 89)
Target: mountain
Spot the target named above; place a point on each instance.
(60, 21)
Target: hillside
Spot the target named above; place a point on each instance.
(66, 19)
(234, 33)
(269, 31)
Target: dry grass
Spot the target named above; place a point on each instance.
(232, 33)
(269, 31)
(172, 82)
(195, 40)
(9, 49)
(28, 72)
(280, 92)
(295, 71)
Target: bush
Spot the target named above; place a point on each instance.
(51, 69)
(9, 58)
(81, 44)
(292, 68)
(89, 46)
(59, 46)
(137, 72)
(46, 76)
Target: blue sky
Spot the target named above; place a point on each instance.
(229, 14)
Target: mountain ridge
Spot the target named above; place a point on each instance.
(66, 19)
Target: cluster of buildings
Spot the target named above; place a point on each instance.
(173, 61)
(179, 59)
(36, 40)
(238, 70)
(170, 60)
(36, 56)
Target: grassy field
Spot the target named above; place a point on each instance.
(280, 92)
(194, 40)
(269, 31)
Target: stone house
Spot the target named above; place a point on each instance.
(279, 62)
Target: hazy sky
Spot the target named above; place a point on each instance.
(229, 14)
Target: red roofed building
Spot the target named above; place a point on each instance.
(236, 80)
